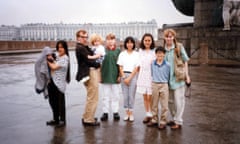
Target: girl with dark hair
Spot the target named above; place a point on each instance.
(144, 82)
(128, 62)
(60, 76)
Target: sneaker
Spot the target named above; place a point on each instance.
(83, 80)
(52, 122)
(149, 114)
(131, 118)
(116, 116)
(227, 28)
(104, 117)
(126, 118)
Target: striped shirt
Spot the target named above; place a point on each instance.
(59, 75)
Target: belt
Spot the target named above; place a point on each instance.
(127, 72)
(160, 82)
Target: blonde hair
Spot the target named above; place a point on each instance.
(95, 37)
(110, 36)
(166, 32)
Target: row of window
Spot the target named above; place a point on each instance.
(55, 32)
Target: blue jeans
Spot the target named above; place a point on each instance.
(129, 92)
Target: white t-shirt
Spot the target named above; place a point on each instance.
(128, 61)
(99, 50)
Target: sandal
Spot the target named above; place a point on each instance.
(176, 126)
(171, 123)
(147, 120)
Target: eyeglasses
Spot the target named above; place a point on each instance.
(84, 37)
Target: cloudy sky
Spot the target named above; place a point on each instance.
(17, 12)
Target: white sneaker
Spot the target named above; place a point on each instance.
(131, 118)
(126, 118)
(227, 28)
(149, 114)
(83, 80)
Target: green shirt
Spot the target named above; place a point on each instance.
(109, 68)
(169, 57)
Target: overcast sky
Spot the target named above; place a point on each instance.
(17, 12)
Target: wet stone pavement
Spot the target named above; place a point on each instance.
(212, 113)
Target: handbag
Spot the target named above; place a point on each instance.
(179, 67)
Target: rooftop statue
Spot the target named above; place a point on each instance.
(224, 12)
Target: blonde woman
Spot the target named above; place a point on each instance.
(177, 88)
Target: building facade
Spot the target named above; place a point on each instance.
(9, 32)
(46, 32)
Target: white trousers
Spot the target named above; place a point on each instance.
(110, 97)
(177, 104)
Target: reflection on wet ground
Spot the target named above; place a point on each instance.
(18, 59)
(211, 116)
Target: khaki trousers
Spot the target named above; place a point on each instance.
(92, 95)
(160, 94)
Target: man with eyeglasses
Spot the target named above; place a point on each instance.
(89, 67)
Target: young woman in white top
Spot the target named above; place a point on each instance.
(128, 62)
(144, 82)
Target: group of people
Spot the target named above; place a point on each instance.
(148, 71)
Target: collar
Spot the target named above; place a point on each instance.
(111, 49)
(173, 46)
(163, 63)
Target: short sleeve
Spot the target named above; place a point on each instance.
(184, 54)
(120, 59)
(63, 62)
(137, 59)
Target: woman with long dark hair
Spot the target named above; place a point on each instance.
(128, 62)
(60, 76)
(144, 82)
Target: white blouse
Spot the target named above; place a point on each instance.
(128, 61)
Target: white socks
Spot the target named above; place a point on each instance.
(148, 114)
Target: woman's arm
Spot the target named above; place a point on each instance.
(129, 78)
(53, 65)
(121, 73)
(188, 80)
